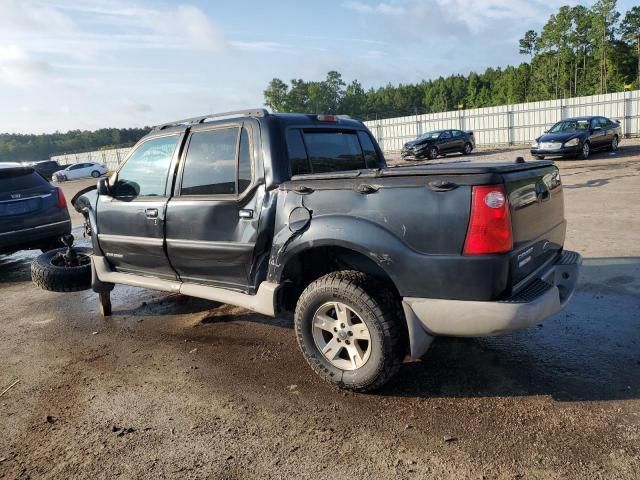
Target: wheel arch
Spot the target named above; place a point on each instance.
(311, 261)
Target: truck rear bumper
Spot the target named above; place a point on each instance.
(541, 299)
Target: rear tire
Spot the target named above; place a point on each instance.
(356, 322)
(468, 148)
(46, 274)
(614, 144)
(432, 154)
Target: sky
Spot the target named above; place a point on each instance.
(88, 64)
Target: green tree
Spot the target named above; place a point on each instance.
(630, 30)
(604, 26)
(275, 95)
(528, 46)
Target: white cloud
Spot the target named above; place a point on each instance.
(198, 28)
(34, 17)
(19, 69)
(442, 16)
(382, 8)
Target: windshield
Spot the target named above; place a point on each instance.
(431, 135)
(570, 126)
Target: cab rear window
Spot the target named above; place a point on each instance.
(15, 179)
(325, 151)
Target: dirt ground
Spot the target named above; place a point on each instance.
(173, 387)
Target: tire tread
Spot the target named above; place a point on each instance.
(385, 306)
(60, 279)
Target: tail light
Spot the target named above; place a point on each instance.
(490, 222)
(62, 201)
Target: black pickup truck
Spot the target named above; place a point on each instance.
(294, 212)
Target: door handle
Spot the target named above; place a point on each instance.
(151, 212)
(245, 213)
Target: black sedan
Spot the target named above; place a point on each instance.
(578, 137)
(439, 142)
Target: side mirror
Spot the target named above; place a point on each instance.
(103, 187)
(546, 131)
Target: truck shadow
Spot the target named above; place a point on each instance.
(588, 352)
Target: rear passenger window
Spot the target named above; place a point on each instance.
(217, 162)
(210, 167)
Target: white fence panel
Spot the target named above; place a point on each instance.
(517, 124)
(109, 158)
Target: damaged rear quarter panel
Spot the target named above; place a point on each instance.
(414, 234)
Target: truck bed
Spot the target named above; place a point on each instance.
(419, 216)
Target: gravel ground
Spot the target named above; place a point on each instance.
(173, 387)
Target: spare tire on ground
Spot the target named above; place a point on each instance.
(56, 272)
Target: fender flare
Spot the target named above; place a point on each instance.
(357, 234)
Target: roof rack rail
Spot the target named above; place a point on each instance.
(255, 112)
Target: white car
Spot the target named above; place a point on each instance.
(79, 170)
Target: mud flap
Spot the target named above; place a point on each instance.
(419, 340)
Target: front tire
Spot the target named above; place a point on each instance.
(349, 330)
(95, 174)
(467, 149)
(432, 154)
(585, 151)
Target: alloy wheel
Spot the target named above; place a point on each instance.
(341, 336)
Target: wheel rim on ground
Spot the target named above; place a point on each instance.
(614, 143)
(467, 148)
(433, 153)
(341, 336)
(59, 260)
(95, 174)
(585, 150)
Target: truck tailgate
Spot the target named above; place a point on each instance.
(537, 216)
